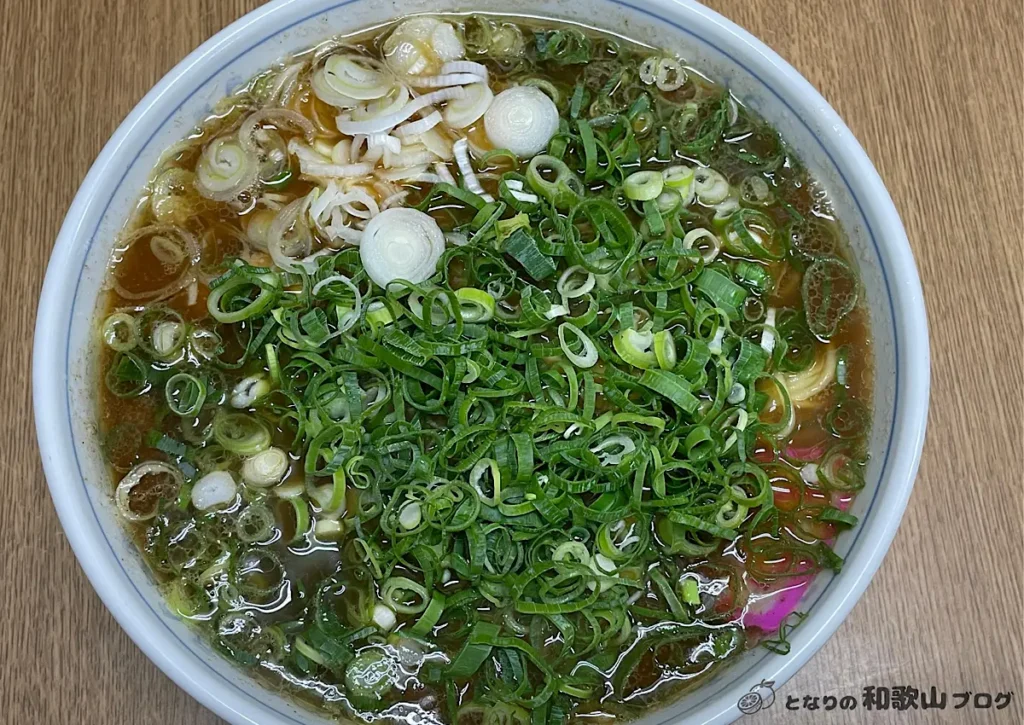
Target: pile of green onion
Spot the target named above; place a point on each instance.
(522, 459)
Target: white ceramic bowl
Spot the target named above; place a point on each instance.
(64, 372)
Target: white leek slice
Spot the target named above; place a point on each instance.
(680, 179)
(409, 50)
(669, 75)
(768, 333)
(711, 187)
(394, 101)
(588, 357)
(265, 469)
(401, 244)
(643, 185)
(461, 148)
(714, 244)
(381, 124)
(521, 119)
(167, 488)
(441, 169)
(384, 617)
(345, 80)
(569, 288)
(248, 390)
(462, 112)
(613, 449)
(410, 516)
(465, 66)
(635, 348)
(214, 490)
(225, 170)
(415, 128)
(446, 44)
(312, 163)
(446, 79)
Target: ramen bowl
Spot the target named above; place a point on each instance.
(65, 357)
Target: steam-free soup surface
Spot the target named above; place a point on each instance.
(476, 371)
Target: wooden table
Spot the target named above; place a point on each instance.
(932, 88)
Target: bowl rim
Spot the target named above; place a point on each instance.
(909, 320)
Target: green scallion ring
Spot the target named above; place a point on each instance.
(240, 433)
(665, 349)
(119, 332)
(185, 394)
(643, 185)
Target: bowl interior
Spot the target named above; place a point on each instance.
(65, 365)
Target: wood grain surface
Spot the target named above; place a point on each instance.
(933, 90)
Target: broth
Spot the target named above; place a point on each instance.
(310, 462)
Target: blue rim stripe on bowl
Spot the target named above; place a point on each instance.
(733, 675)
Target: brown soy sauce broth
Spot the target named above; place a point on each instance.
(132, 427)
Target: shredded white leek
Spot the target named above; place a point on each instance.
(461, 148)
(768, 333)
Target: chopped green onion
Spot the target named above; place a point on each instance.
(665, 349)
(635, 348)
(523, 248)
(643, 185)
(119, 332)
(241, 433)
(475, 305)
(671, 386)
(721, 290)
(185, 394)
